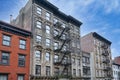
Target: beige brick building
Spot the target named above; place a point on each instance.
(101, 61)
(55, 46)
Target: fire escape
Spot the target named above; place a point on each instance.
(64, 60)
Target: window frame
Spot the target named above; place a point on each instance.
(8, 58)
(38, 24)
(47, 57)
(6, 40)
(22, 60)
(2, 74)
(38, 10)
(36, 69)
(22, 44)
(47, 16)
(48, 42)
(48, 71)
(21, 75)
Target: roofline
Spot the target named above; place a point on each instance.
(14, 29)
(115, 64)
(95, 34)
(46, 4)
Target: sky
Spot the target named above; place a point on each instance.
(101, 16)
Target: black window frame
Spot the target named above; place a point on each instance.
(21, 60)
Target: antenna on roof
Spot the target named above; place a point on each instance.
(11, 18)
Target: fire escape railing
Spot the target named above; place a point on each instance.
(64, 53)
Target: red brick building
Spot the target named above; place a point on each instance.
(14, 52)
(117, 60)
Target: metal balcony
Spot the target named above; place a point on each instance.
(58, 24)
(106, 61)
(107, 68)
(105, 53)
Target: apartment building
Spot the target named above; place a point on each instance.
(55, 46)
(86, 66)
(116, 71)
(100, 51)
(14, 52)
(117, 60)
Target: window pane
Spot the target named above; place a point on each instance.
(38, 69)
(22, 44)
(47, 29)
(21, 61)
(55, 20)
(3, 77)
(38, 38)
(56, 58)
(20, 77)
(37, 54)
(39, 24)
(5, 58)
(47, 56)
(56, 45)
(6, 40)
(47, 16)
(56, 32)
(39, 10)
(47, 42)
(47, 70)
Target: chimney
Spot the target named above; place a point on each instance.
(11, 17)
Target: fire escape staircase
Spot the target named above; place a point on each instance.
(63, 54)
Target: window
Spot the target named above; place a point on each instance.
(47, 70)
(38, 38)
(39, 24)
(63, 25)
(6, 40)
(79, 72)
(64, 36)
(56, 32)
(65, 60)
(64, 48)
(73, 60)
(47, 29)
(74, 72)
(38, 54)
(48, 42)
(56, 57)
(3, 77)
(56, 71)
(39, 10)
(21, 60)
(56, 45)
(5, 58)
(38, 69)
(20, 77)
(78, 61)
(47, 56)
(22, 44)
(47, 16)
(55, 20)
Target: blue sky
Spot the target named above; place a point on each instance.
(101, 16)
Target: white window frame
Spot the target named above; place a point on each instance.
(47, 56)
(47, 16)
(47, 29)
(39, 10)
(48, 42)
(39, 24)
